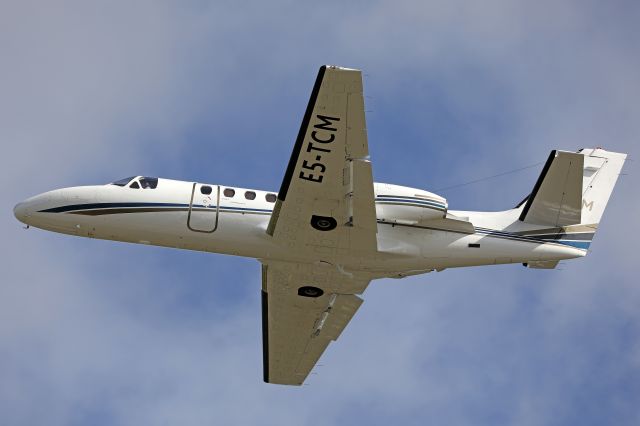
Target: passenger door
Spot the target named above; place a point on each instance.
(204, 208)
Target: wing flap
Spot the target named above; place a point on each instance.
(327, 327)
(336, 316)
(451, 224)
(360, 194)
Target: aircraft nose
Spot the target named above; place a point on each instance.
(22, 212)
(27, 210)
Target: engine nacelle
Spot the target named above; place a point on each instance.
(404, 205)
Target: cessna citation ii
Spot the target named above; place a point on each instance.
(330, 229)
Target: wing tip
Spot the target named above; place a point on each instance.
(283, 382)
(339, 68)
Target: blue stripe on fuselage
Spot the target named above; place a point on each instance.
(95, 206)
(411, 201)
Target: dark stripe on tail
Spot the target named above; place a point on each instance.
(538, 184)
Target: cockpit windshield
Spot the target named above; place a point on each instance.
(144, 182)
(123, 182)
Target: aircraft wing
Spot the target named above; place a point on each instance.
(326, 203)
(299, 320)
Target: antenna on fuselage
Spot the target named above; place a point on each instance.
(488, 177)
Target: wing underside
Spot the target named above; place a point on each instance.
(325, 218)
(298, 321)
(326, 198)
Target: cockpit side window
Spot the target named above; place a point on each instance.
(123, 182)
(134, 185)
(149, 182)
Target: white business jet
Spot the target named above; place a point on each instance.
(330, 229)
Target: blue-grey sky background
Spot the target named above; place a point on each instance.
(105, 333)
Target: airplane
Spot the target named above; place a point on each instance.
(330, 230)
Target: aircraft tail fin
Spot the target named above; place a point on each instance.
(573, 188)
(601, 171)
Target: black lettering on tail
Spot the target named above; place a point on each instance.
(326, 122)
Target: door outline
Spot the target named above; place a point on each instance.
(193, 191)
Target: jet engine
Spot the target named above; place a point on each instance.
(410, 206)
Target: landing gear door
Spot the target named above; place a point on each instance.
(204, 208)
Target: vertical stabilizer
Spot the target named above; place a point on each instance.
(601, 171)
(556, 199)
(573, 188)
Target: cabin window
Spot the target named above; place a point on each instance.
(134, 185)
(123, 182)
(149, 182)
(250, 195)
(228, 192)
(205, 189)
(270, 198)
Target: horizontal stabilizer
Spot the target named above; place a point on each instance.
(541, 264)
(556, 199)
(451, 223)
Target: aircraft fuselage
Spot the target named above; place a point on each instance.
(231, 220)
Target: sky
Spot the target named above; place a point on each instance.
(105, 333)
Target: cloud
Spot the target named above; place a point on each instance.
(106, 333)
